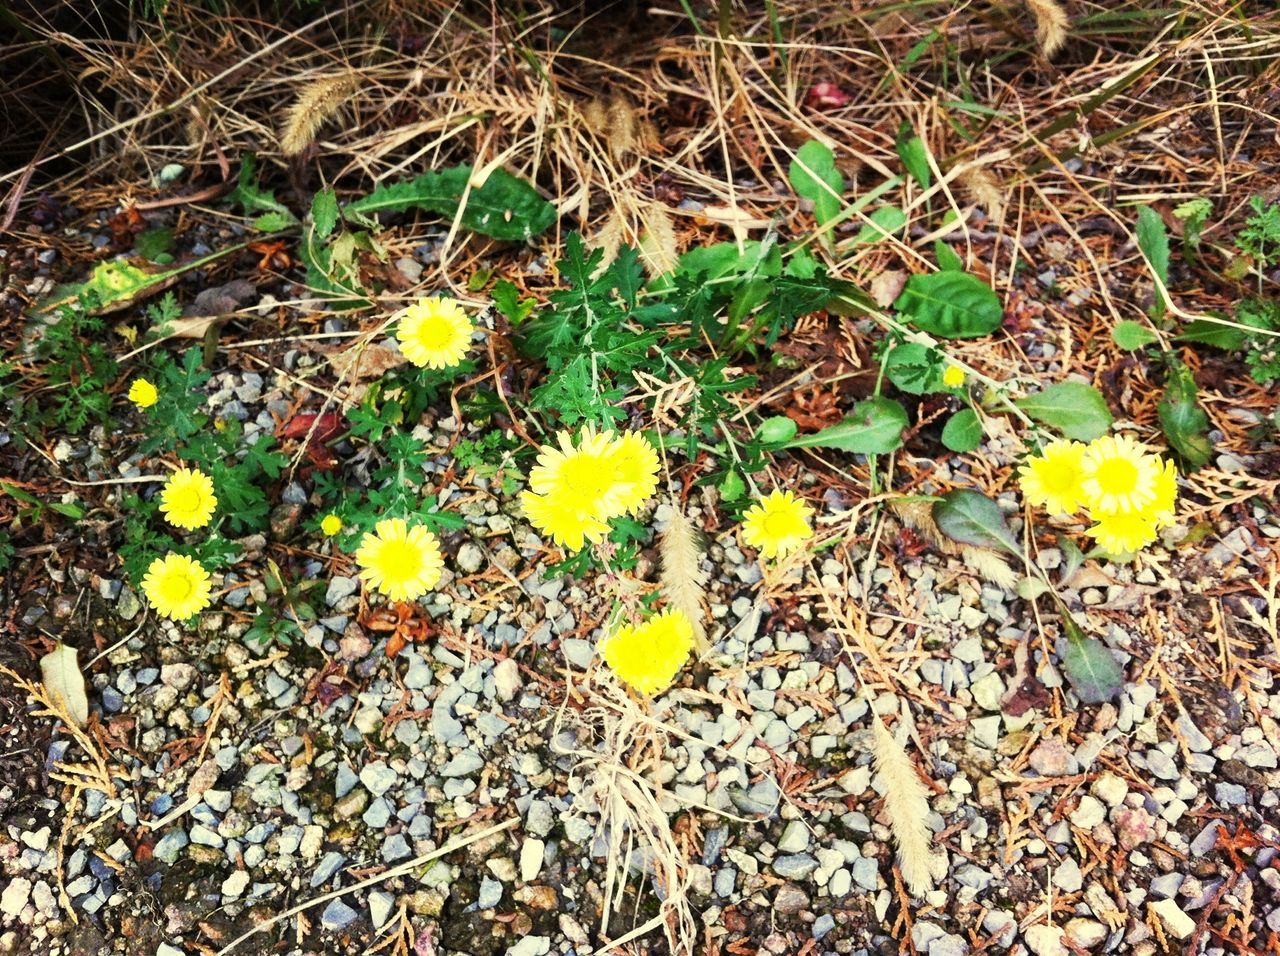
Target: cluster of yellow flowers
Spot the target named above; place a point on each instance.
(576, 490)
(648, 656)
(1129, 492)
(177, 585)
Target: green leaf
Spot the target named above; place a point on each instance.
(1153, 240)
(154, 245)
(1131, 336)
(874, 428)
(503, 207)
(948, 259)
(732, 487)
(970, 517)
(814, 177)
(777, 430)
(1077, 410)
(885, 221)
(275, 221)
(1184, 422)
(953, 305)
(1204, 332)
(963, 431)
(1092, 669)
(915, 369)
(506, 298)
(914, 155)
(324, 211)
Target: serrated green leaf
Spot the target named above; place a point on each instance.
(885, 221)
(503, 207)
(970, 517)
(1077, 410)
(1131, 336)
(953, 305)
(1153, 240)
(874, 428)
(1092, 669)
(814, 177)
(275, 221)
(324, 211)
(963, 431)
(506, 298)
(913, 368)
(732, 486)
(1183, 421)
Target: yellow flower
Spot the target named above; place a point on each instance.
(187, 499)
(953, 376)
(142, 393)
(402, 562)
(1119, 534)
(777, 524)
(649, 656)
(1052, 480)
(566, 525)
(177, 586)
(331, 524)
(584, 477)
(435, 333)
(1118, 476)
(635, 471)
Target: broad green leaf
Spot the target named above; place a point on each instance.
(814, 177)
(777, 430)
(1153, 240)
(963, 431)
(970, 517)
(324, 211)
(1131, 336)
(915, 369)
(1077, 410)
(275, 221)
(953, 305)
(503, 207)
(1184, 422)
(60, 674)
(874, 428)
(1092, 669)
(914, 155)
(948, 259)
(885, 221)
(154, 245)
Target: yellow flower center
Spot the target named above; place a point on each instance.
(1117, 476)
(177, 586)
(434, 333)
(778, 524)
(586, 477)
(400, 559)
(185, 499)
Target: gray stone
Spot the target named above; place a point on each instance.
(378, 778)
(463, 764)
(490, 894)
(795, 838)
(329, 864)
(338, 915)
(794, 866)
(790, 899)
(539, 819)
(339, 589)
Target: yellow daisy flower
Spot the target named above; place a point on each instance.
(331, 524)
(142, 393)
(582, 478)
(1052, 479)
(564, 524)
(648, 656)
(435, 333)
(636, 471)
(777, 524)
(953, 376)
(402, 562)
(1118, 475)
(177, 586)
(187, 499)
(1119, 534)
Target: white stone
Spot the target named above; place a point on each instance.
(1045, 940)
(1175, 922)
(531, 853)
(14, 898)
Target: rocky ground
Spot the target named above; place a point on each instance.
(241, 782)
